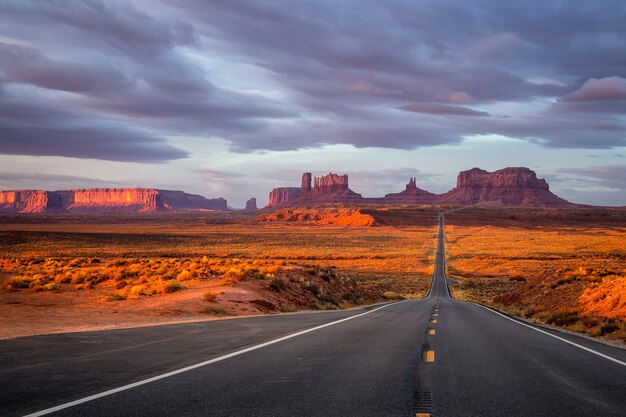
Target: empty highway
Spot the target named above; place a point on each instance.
(435, 356)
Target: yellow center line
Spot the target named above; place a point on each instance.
(431, 331)
(436, 315)
(422, 415)
(429, 356)
(433, 321)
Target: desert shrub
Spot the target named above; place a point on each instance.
(563, 317)
(136, 291)
(170, 286)
(610, 327)
(184, 275)
(51, 286)
(81, 287)
(278, 284)
(312, 288)
(17, 283)
(209, 296)
(390, 295)
(115, 296)
(328, 299)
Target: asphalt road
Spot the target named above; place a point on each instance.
(435, 356)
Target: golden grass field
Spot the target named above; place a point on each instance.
(574, 277)
(190, 265)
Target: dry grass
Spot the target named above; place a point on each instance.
(379, 259)
(570, 277)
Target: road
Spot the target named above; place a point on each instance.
(435, 356)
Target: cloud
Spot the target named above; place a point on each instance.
(609, 88)
(37, 129)
(132, 75)
(12, 180)
(613, 176)
(442, 109)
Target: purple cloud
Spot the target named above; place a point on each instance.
(326, 77)
(613, 176)
(609, 88)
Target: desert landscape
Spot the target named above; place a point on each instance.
(293, 208)
(559, 266)
(108, 258)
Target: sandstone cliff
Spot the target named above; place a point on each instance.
(507, 187)
(30, 201)
(331, 188)
(105, 200)
(283, 195)
(112, 200)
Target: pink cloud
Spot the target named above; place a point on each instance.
(442, 109)
(609, 88)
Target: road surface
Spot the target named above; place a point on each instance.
(435, 356)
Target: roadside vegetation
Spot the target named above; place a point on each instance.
(574, 278)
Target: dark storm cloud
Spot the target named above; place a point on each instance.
(398, 74)
(32, 129)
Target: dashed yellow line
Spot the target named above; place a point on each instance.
(431, 331)
(433, 321)
(435, 314)
(429, 356)
(422, 415)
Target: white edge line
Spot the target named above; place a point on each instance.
(602, 355)
(197, 365)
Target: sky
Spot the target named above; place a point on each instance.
(231, 98)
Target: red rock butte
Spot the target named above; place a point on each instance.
(505, 187)
(105, 200)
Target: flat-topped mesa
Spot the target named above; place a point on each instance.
(180, 200)
(124, 200)
(503, 178)
(411, 195)
(283, 195)
(508, 187)
(112, 199)
(30, 201)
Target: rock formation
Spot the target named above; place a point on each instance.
(251, 205)
(112, 199)
(507, 187)
(283, 195)
(179, 200)
(329, 183)
(331, 188)
(411, 195)
(101, 200)
(30, 201)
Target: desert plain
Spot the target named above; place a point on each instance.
(561, 267)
